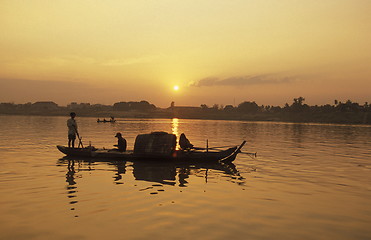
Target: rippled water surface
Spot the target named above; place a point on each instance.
(308, 181)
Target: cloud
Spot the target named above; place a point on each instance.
(244, 80)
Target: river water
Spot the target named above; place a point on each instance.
(308, 181)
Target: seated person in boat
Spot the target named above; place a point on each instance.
(121, 142)
(184, 143)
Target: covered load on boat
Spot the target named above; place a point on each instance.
(160, 143)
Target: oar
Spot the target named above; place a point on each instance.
(249, 153)
(200, 148)
(80, 142)
(241, 146)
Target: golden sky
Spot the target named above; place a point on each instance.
(216, 51)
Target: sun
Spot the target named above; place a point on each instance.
(176, 88)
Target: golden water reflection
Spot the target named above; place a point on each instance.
(174, 130)
(174, 126)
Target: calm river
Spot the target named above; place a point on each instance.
(308, 181)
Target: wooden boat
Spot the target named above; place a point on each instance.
(106, 121)
(155, 146)
(227, 155)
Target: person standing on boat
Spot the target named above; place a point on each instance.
(184, 143)
(72, 130)
(121, 142)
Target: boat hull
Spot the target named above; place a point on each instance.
(227, 155)
(107, 121)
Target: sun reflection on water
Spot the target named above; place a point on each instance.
(174, 129)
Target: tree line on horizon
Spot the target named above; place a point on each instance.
(339, 112)
(297, 106)
(50, 106)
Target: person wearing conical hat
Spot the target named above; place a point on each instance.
(121, 142)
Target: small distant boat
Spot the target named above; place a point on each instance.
(157, 146)
(106, 121)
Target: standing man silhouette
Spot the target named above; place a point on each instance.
(72, 130)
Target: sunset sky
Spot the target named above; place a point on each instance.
(216, 51)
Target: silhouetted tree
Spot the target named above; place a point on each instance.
(215, 107)
(298, 105)
(248, 107)
(229, 108)
(121, 106)
(299, 101)
(139, 106)
(275, 109)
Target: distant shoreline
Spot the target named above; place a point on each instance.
(289, 118)
(298, 112)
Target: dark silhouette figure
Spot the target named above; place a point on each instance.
(121, 142)
(184, 143)
(71, 173)
(72, 130)
(121, 169)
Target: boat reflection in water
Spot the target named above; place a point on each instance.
(159, 174)
(172, 173)
(167, 172)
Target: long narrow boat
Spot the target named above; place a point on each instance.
(227, 155)
(155, 146)
(106, 121)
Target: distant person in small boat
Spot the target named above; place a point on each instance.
(121, 142)
(112, 119)
(72, 130)
(184, 143)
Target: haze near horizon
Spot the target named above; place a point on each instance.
(213, 51)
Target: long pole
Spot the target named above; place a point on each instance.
(80, 142)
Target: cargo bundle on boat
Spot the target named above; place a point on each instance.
(156, 146)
